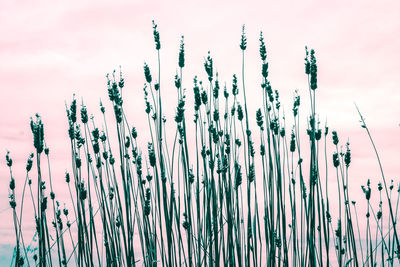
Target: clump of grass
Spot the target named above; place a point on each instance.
(148, 201)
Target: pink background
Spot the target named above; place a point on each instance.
(50, 50)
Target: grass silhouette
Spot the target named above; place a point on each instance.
(219, 200)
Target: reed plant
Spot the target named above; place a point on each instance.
(228, 188)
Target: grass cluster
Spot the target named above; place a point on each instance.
(233, 195)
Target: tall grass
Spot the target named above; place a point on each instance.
(225, 193)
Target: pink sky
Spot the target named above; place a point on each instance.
(50, 50)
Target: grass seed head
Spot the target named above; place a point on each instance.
(335, 138)
(252, 173)
(292, 142)
(347, 156)
(102, 108)
(380, 187)
(96, 134)
(180, 111)
(44, 204)
(265, 70)
(259, 118)
(29, 162)
(191, 176)
(226, 94)
(307, 63)
(118, 113)
(282, 132)
(12, 183)
(216, 88)
(134, 133)
(318, 134)
(72, 111)
(156, 35)
(204, 97)
(8, 159)
(235, 89)
(197, 95)
(177, 82)
(13, 204)
(208, 66)
(336, 161)
(84, 114)
(38, 133)
(313, 70)
(240, 112)
(216, 115)
(238, 175)
(262, 150)
(121, 82)
(243, 40)
(147, 73)
(263, 50)
(181, 61)
(152, 155)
